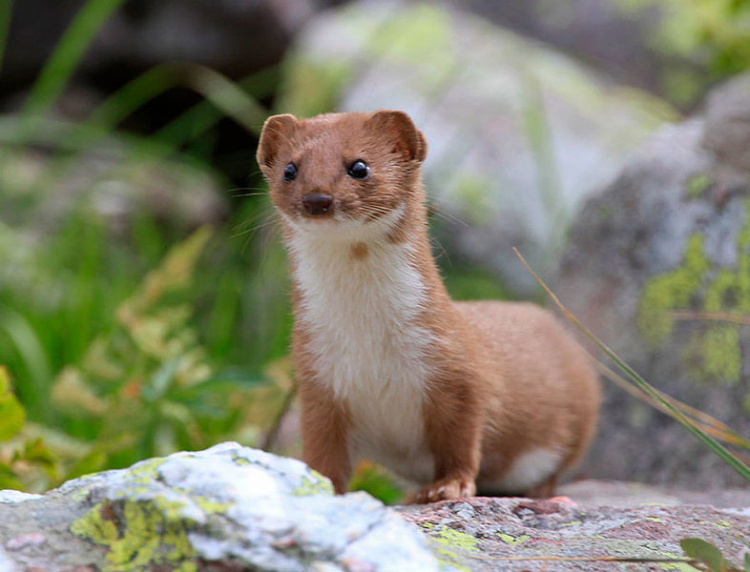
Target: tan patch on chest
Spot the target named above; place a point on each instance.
(359, 251)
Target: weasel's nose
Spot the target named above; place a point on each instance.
(317, 203)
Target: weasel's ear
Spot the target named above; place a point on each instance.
(276, 130)
(399, 129)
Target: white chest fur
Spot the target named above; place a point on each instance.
(361, 313)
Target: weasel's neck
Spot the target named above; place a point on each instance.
(363, 304)
(384, 266)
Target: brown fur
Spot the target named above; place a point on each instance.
(507, 378)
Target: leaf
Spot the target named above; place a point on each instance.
(12, 413)
(706, 553)
(747, 562)
(9, 480)
(92, 462)
(373, 479)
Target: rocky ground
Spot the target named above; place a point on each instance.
(231, 508)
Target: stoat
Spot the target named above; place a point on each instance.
(456, 397)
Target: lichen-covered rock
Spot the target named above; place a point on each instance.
(658, 265)
(518, 133)
(481, 534)
(228, 508)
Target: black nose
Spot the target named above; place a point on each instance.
(317, 203)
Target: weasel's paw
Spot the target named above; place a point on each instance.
(446, 489)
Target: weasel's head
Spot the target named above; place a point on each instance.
(343, 171)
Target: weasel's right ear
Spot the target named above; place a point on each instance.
(407, 140)
(276, 130)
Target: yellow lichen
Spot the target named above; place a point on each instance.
(317, 486)
(454, 538)
(722, 356)
(697, 184)
(513, 540)
(448, 542)
(715, 349)
(670, 291)
(138, 535)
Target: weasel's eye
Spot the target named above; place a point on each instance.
(358, 170)
(290, 172)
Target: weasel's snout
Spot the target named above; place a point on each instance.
(317, 203)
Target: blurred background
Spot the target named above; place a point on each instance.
(143, 287)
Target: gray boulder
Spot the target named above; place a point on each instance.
(226, 508)
(658, 265)
(519, 134)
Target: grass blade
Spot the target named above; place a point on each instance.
(6, 9)
(710, 425)
(227, 96)
(68, 53)
(642, 384)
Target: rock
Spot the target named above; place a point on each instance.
(590, 493)
(226, 508)
(6, 564)
(658, 266)
(234, 508)
(728, 123)
(519, 134)
(10, 495)
(618, 39)
(518, 534)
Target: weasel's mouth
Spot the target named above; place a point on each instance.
(363, 219)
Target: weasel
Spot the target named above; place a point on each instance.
(455, 397)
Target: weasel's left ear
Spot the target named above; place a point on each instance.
(276, 130)
(399, 129)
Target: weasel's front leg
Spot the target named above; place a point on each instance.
(324, 434)
(453, 422)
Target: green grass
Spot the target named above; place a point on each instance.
(95, 391)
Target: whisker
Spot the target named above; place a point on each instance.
(436, 210)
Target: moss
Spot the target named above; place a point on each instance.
(315, 485)
(143, 535)
(715, 350)
(722, 355)
(696, 185)
(240, 461)
(454, 538)
(448, 543)
(145, 472)
(671, 291)
(209, 506)
(513, 540)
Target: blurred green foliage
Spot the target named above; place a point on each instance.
(712, 37)
(124, 341)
